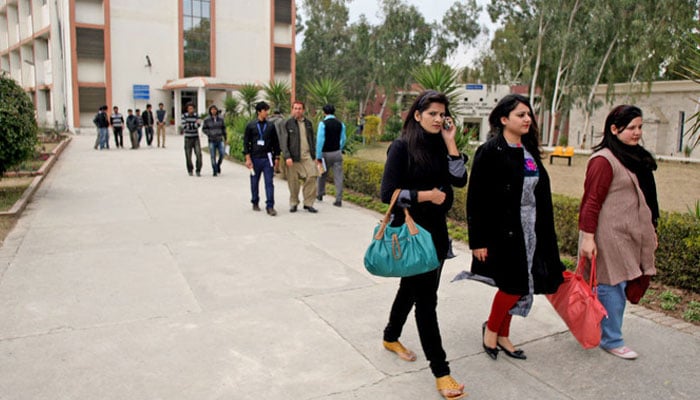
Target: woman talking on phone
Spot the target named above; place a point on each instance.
(424, 163)
(511, 221)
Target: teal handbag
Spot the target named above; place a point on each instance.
(400, 251)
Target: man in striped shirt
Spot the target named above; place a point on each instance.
(190, 128)
(117, 122)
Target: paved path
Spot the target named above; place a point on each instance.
(127, 279)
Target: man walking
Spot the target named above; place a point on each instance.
(330, 141)
(190, 128)
(160, 123)
(148, 123)
(139, 130)
(102, 123)
(215, 130)
(117, 122)
(261, 148)
(298, 146)
(132, 124)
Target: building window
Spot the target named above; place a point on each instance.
(283, 11)
(196, 15)
(90, 99)
(283, 60)
(90, 43)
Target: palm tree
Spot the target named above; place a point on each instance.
(322, 91)
(439, 77)
(279, 94)
(249, 96)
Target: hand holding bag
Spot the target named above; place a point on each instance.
(576, 302)
(400, 251)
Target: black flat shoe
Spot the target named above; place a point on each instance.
(490, 351)
(519, 353)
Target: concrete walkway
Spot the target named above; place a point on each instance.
(127, 279)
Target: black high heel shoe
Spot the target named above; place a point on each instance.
(490, 351)
(518, 353)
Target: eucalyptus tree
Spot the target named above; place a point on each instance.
(458, 27)
(326, 40)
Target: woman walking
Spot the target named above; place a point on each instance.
(511, 222)
(618, 216)
(424, 163)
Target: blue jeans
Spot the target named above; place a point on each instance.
(213, 148)
(262, 166)
(614, 300)
(104, 137)
(140, 135)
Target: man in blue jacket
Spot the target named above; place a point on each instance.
(330, 141)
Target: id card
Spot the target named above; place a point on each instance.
(261, 142)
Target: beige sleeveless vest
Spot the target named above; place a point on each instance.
(625, 237)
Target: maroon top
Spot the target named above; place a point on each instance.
(599, 175)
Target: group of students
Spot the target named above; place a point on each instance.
(136, 123)
(511, 224)
(307, 158)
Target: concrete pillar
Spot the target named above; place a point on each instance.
(178, 110)
(201, 100)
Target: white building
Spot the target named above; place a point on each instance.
(73, 56)
(667, 107)
(475, 103)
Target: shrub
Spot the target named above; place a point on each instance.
(235, 128)
(678, 255)
(677, 258)
(18, 128)
(371, 130)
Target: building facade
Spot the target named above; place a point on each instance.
(667, 106)
(72, 56)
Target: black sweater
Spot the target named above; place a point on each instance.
(400, 173)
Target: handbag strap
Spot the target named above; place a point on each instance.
(412, 229)
(592, 279)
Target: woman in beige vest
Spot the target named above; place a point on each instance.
(618, 217)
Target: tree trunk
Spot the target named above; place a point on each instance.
(540, 38)
(555, 94)
(588, 109)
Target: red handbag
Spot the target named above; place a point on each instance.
(576, 302)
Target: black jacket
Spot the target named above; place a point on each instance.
(290, 141)
(493, 217)
(101, 120)
(400, 173)
(269, 136)
(214, 129)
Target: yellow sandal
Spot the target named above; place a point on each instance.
(447, 385)
(403, 353)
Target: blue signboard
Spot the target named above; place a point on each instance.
(142, 92)
(475, 86)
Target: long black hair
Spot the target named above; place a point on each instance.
(413, 133)
(531, 140)
(632, 157)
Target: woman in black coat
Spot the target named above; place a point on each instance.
(424, 163)
(510, 220)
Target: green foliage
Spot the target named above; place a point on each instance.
(322, 91)
(566, 223)
(439, 77)
(678, 255)
(669, 300)
(235, 127)
(18, 128)
(363, 176)
(695, 212)
(393, 125)
(371, 129)
(231, 105)
(279, 95)
(10, 195)
(249, 96)
(692, 312)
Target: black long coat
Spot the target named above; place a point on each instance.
(493, 217)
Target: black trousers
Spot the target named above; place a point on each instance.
(149, 135)
(421, 291)
(118, 136)
(192, 144)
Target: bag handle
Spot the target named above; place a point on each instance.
(412, 229)
(593, 279)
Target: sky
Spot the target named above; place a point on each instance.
(431, 10)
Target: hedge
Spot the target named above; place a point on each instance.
(677, 258)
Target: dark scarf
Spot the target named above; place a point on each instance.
(638, 160)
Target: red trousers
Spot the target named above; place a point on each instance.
(499, 319)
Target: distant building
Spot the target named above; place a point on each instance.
(72, 56)
(476, 100)
(667, 108)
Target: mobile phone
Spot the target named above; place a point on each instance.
(446, 125)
